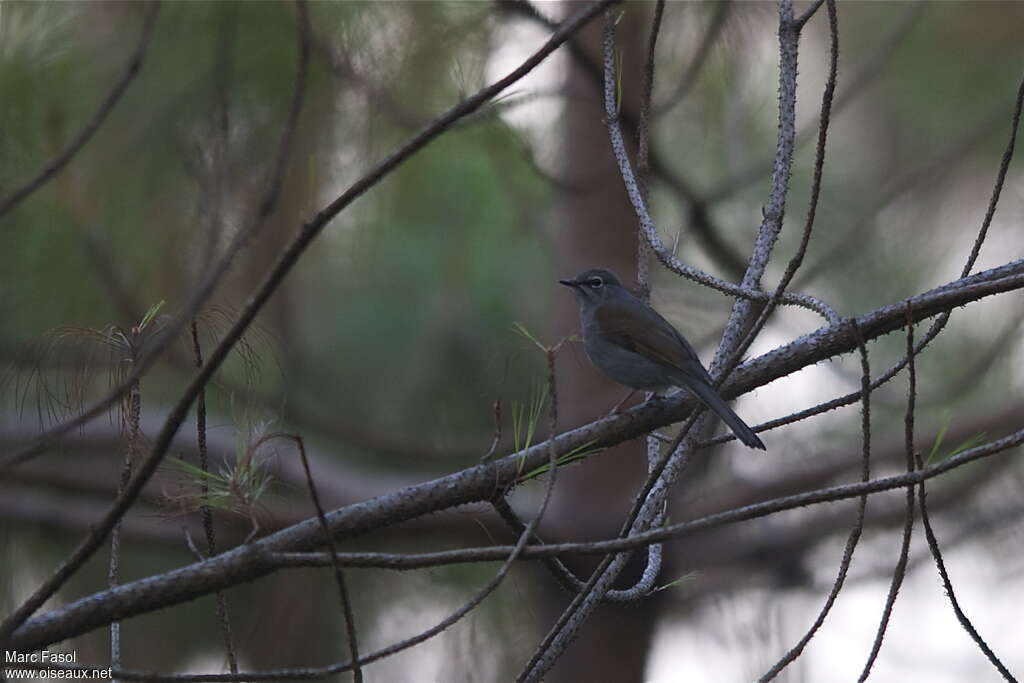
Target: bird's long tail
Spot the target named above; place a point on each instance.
(712, 400)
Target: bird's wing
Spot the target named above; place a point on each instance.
(659, 341)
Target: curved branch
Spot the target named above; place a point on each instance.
(853, 539)
(908, 523)
(58, 163)
(933, 545)
(797, 259)
(710, 37)
(741, 316)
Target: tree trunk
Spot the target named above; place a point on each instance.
(597, 227)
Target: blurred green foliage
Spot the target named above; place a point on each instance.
(403, 311)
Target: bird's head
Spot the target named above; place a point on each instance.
(593, 286)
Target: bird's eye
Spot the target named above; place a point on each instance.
(594, 283)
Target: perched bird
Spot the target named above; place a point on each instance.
(630, 342)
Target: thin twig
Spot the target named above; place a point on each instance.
(643, 144)
(643, 261)
(506, 566)
(708, 39)
(568, 580)
(57, 164)
(643, 129)
(131, 454)
(997, 189)
(221, 604)
(933, 545)
(652, 568)
(565, 576)
(808, 13)
(555, 640)
(496, 439)
(562, 574)
(339, 575)
(742, 314)
(355, 664)
(795, 262)
(858, 526)
(908, 525)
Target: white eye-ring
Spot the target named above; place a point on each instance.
(595, 283)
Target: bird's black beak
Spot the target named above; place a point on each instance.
(569, 283)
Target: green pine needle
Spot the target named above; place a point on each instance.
(685, 578)
(936, 455)
(582, 451)
(521, 329)
(150, 315)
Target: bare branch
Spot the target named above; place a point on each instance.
(710, 36)
(933, 545)
(812, 208)
(908, 524)
(997, 189)
(58, 163)
(808, 13)
(496, 439)
(223, 619)
(131, 454)
(643, 144)
(858, 526)
(339, 575)
(742, 313)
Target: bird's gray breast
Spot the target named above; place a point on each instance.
(623, 365)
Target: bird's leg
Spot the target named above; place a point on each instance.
(618, 406)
